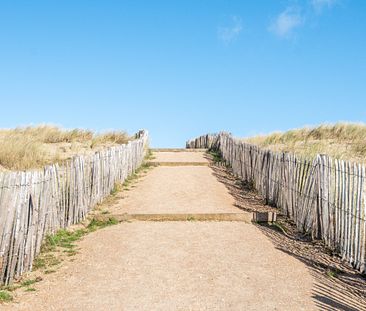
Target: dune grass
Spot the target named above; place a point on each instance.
(33, 147)
(341, 140)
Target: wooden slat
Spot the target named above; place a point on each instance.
(36, 203)
(324, 196)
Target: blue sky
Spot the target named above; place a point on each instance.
(182, 68)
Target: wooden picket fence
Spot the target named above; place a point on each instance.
(34, 204)
(325, 197)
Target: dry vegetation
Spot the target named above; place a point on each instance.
(33, 147)
(342, 141)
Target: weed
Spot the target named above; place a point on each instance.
(30, 289)
(45, 260)
(127, 183)
(98, 224)
(64, 241)
(117, 188)
(248, 185)
(10, 288)
(63, 238)
(150, 155)
(28, 282)
(70, 252)
(39, 263)
(216, 156)
(279, 227)
(332, 272)
(135, 175)
(49, 271)
(5, 296)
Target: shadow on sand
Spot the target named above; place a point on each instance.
(336, 286)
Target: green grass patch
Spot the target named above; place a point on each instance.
(49, 271)
(70, 252)
(64, 241)
(63, 238)
(333, 272)
(247, 185)
(130, 179)
(149, 155)
(5, 296)
(39, 263)
(117, 188)
(30, 289)
(216, 156)
(45, 260)
(28, 282)
(10, 288)
(279, 227)
(144, 168)
(98, 224)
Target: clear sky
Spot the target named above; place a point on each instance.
(182, 68)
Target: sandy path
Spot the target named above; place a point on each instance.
(179, 157)
(181, 189)
(176, 265)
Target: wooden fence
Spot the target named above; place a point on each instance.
(325, 197)
(34, 204)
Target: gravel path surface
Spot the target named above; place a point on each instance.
(176, 265)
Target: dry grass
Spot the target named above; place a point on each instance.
(342, 141)
(33, 147)
(111, 137)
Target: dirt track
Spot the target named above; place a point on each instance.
(185, 189)
(179, 157)
(176, 265)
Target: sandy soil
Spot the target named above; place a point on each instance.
(182, 189)
(179, 157)
(176, 265)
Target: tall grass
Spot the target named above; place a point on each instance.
(51, 134)
(33, 147)
(340, 140)
(111, 137)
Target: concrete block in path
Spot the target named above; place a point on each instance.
(264, 216)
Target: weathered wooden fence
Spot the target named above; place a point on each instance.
(325, 197)
(36, 203)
